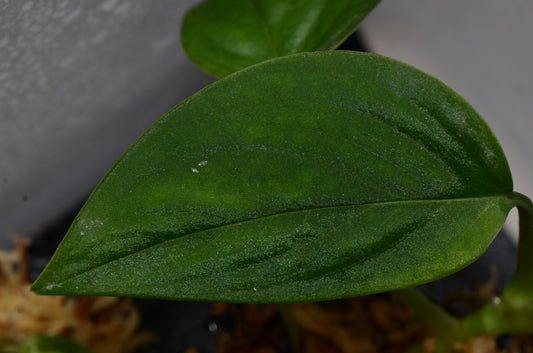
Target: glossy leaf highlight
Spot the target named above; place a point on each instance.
(310, 177)
(224, 36)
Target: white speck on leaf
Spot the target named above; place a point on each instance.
(52, 286)
(96, 222)
(194, 170)
(202, 163)
(489, 154)
(255, 289)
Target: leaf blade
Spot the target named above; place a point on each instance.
(236, 271)
(293, 136)
(224, 36)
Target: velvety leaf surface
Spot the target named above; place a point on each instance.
(224, 36)
(311, 177)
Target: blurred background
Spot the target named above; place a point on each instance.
(80, 81)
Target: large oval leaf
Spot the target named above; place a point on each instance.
(310, 177)
(224, 36)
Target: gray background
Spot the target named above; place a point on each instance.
(79, 81)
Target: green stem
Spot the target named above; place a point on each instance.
(513, 312)
(497, 318)
(520, 289)
(443, 326)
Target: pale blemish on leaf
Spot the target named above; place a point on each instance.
(52, 286)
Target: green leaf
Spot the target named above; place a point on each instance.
(46, 344)
(224, 36)
(310, 177)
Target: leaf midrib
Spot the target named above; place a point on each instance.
(507, 196)
(266, 28)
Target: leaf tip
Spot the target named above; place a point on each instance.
(46, 288)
